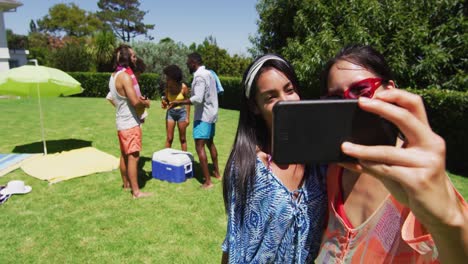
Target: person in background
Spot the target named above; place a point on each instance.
(135, 73)
(176, 90)
(128, 104)
(396, 204)
(275, 212)
(204, 97)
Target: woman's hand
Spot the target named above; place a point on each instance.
(163, 104)
(414, 174)
(173, 104)
(179, 102)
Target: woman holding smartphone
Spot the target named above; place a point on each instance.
(396, 204)
(275, 212)
(176, 90)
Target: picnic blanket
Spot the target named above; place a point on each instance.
(70, 164)
(12, 161)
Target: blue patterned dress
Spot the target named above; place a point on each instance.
(279, 226)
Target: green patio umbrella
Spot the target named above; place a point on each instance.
(38, 81)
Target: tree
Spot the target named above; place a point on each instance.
(32, 26)
(219, 59)
(102, 49)
(213, 56)
(238, 64)
(39, 47)
(424, 41)
(156, 56)
(159, 55)
(16, 41)
(275, 26)
(124, 17)
(72, 57)
(70, 20)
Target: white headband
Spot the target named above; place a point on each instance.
(254, 70)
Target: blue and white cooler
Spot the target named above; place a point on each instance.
(172, 165)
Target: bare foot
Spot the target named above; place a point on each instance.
(216, 175)
(142, 195)
(207, 186)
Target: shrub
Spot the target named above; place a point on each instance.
(159, 55)
(71, 57)
(94, 84)
(448, 115)
(231, 96)
(424, 42)
(97, 84)
(149, 85)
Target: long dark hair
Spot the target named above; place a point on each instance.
(252, 132)
(174, 72)
(123, 57)
(362, 55)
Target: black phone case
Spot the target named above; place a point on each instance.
(312, 131)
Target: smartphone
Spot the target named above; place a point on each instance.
(312, 131)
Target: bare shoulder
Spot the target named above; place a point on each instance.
(185, 88)
(123, 76)
(262, 155)
(123, 84)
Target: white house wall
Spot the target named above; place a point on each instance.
(4, 53)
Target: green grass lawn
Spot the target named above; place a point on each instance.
(91, 219)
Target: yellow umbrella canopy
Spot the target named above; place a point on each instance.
(29, 80)
(38, 81)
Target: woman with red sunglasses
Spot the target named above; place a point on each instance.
(396, 204)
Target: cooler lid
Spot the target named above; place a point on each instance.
(173, 156)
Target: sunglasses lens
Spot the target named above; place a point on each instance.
(362, 89)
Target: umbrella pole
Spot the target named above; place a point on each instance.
(41, 120)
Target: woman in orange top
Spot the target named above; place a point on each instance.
(396, 204)
(176, 90)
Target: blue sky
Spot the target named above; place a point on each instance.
(186, 21)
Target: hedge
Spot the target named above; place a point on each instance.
(97, 84)
(447, 110)
(230, 99)
(448, 115)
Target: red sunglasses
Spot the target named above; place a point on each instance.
(364, 88)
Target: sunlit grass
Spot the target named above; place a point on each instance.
(91, 218)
